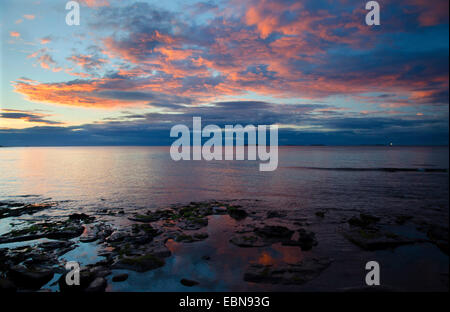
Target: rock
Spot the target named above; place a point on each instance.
(13, 211)
(140, 263)
(150, 216)
(66, 233)
(80, 217)
(120, 277)
(117, 236)
(320, 214)
(146, 229)
(376, 239)
(30, 277)
(97, 285)
(274, 231)
(188, 282)
(236, 213)
(88, 239)
(55, 245)
(306, 240)
(193, 223)
(219, 210)
(160, 251)
(100, 271)
(287, 273)
(275, 214)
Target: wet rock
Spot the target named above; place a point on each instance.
(12, 211)
(320, 214)
(193, 223)
(159, 251)
(376, 239)
(146, 229)
(237, 213)
(117, 236)
(306, 240)
(11, 204)
(97, 285)
(150, 216)
(120, 277)
(52, 230)
(88, 239)
(188, 282)
(30, 277)
(100, 271)
(141, 263)
(55, 245)
(287, 273)
(198, 209)
(274, 231)
(40, 259)
(66, 233)
(81, 217)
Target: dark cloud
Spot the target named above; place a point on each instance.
(154, 128)
(29, 117)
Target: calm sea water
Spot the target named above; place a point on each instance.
(310, 177)
(343, 181)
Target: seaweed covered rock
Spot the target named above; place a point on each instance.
(53, 230)
(376, 239)
(18, 209)
(140, 263)
(274, 232)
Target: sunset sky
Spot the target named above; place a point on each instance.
(132, 69)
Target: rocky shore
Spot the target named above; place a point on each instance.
(32, 252)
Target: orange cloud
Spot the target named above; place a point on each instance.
(45, 40)
(14, 34)
(75, 93)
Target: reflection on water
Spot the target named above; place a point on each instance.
(215, 263)
(147, 177)
(343, 181)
